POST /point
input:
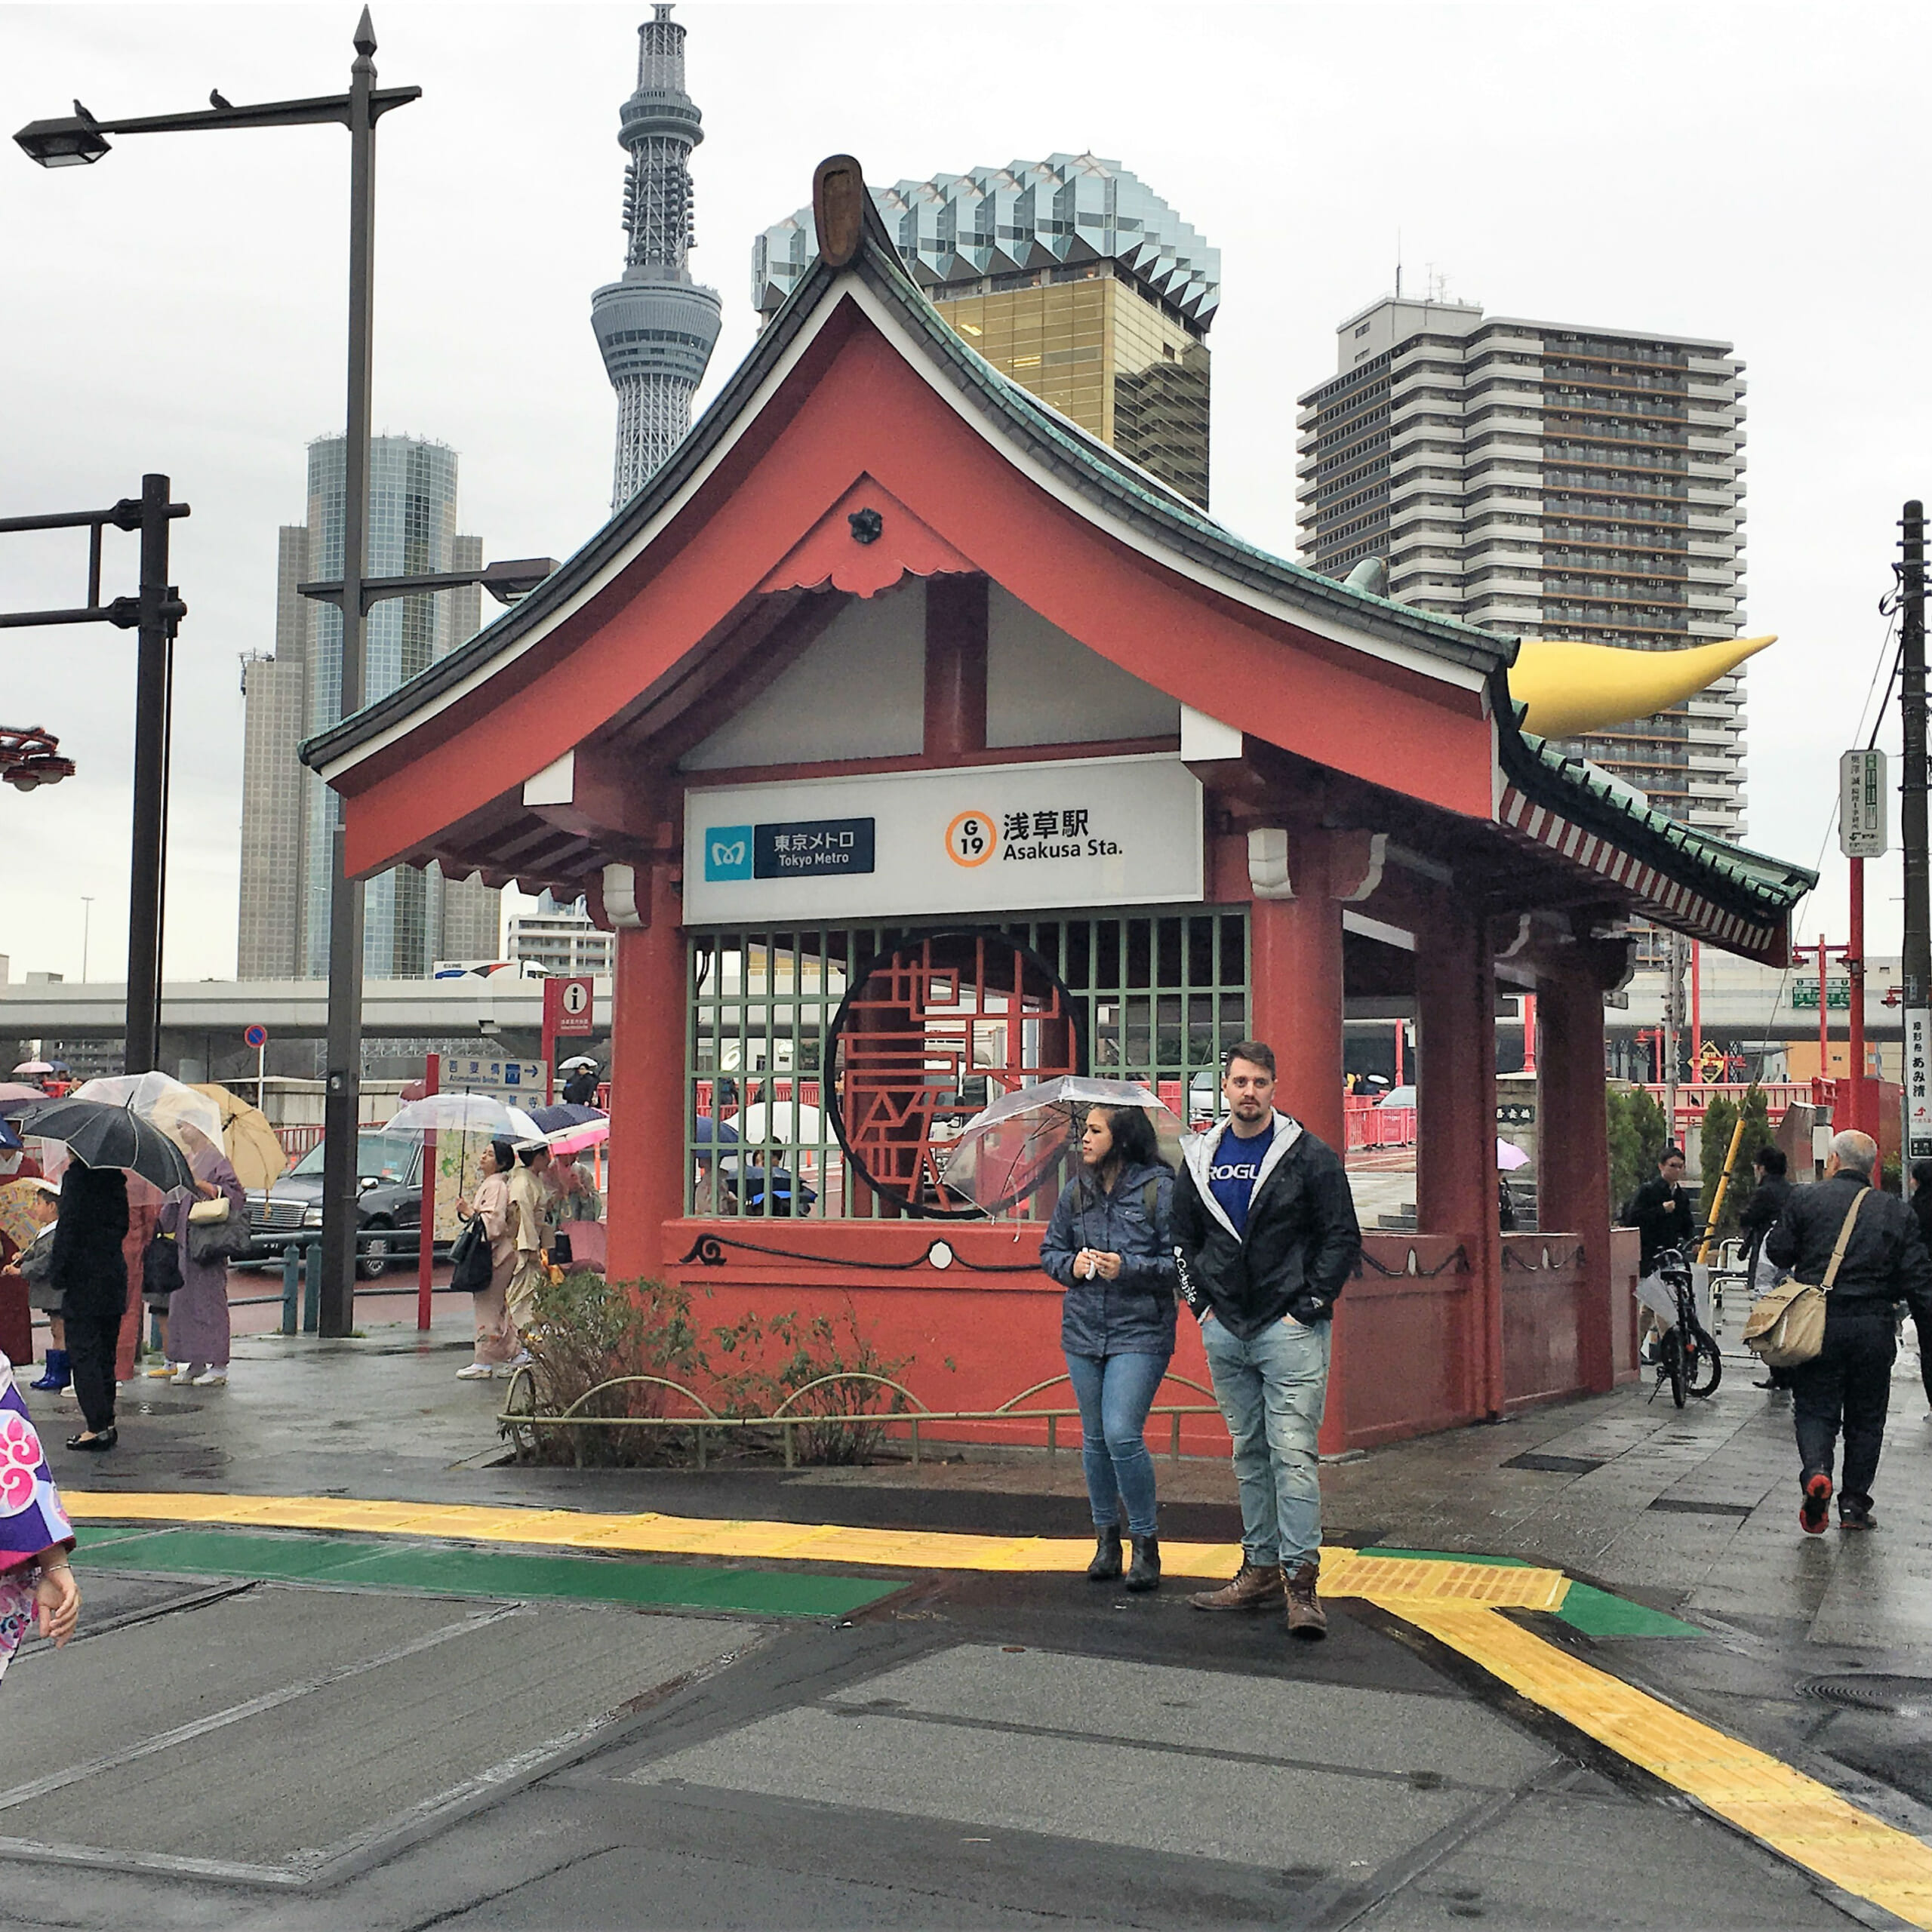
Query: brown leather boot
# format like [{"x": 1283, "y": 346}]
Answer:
[
  {"x": 1306, "y": 1618},
  {"x": 1256, "y": 1586}
]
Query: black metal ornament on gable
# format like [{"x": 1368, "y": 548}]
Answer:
[{"x": 867, "y": 526}]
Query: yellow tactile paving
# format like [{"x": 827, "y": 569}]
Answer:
[
  {"x": 1456, "y": 1603},
  {"x": 1806, "y": 1821}
]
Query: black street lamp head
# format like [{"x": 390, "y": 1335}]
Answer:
[
  {"x": 515, "y": 578},
  {"x": 70, "y": 142}
]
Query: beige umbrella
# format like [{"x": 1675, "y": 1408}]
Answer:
[{"x": 253, "y": 1148}]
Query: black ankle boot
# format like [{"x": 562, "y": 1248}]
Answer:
[
  {"x": 1106, "y": 1565},
  {"x": 1145, "y": 1574}
]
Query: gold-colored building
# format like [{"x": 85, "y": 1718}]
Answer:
[
  {"x": 1070, "y": 277},
  {"x": 1102, "y": 353}
]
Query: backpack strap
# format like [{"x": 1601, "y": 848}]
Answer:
[
  {"x": 1844, "y": 1239},
  {"x": 1150, "y": 1197}
]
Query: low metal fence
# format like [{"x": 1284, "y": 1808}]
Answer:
[{"x": 521, "y": 1420}]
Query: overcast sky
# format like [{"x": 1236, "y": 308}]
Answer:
[{"x": 1732, "y": 171}]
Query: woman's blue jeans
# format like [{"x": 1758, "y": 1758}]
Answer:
[{"x": 1115, "y": 1393}]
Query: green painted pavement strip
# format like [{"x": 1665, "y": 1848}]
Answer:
[
  {"x": 447, "y": 1570},
  {"x": 1595, "y": 1613}
]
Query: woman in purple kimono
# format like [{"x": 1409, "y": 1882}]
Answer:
[
  {"x": 35, "y": 1537},
  {"x": 198, "y": 1333}
]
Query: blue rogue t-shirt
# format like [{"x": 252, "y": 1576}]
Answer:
[{"x": 1231, "y": 1177}]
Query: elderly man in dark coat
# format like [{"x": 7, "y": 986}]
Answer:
[{"x": 1848, "y": 1384}]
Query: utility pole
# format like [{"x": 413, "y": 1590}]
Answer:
[
  {"x": 1917, "y": 965},
  {"x": 1672, "y": 1032}
]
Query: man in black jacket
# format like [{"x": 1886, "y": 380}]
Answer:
[
  {"x": 1660, "y": 1211},
  {"x": 1265, "y": 1232},
  {"x": 1848, "y": 1384}
]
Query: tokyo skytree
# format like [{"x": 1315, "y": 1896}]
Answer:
[{"x": 656, "y": 326}]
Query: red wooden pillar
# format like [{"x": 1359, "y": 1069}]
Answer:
[
  {"x": 1573, "y": 1177},
  {"x": 1455, "y": 1181},
  {"x": 646, "y": 1087},
  {"x": 1295, "y": 987}
]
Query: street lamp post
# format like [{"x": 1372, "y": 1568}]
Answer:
[{"x": 80, "y": 139}]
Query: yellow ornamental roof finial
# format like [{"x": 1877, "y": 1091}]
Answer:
[{"x": 1569, "y": 689}]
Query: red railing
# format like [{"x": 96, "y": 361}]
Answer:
[
  {"x": 1368, "y": 1125},
  {"x": 297, "y": 1141}
]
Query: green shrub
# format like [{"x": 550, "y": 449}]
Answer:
[
  {"x": 587, "y": 1333},
  {"x": 782, "y": 1354}
]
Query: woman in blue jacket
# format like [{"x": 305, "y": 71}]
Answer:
[{"x": 1107, "y": 1246}]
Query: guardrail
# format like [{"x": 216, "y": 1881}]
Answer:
[
  {"x": 301, "y": 1280},
  {"x": 518, "y": 1422}
]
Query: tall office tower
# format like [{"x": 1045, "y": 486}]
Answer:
[
  {"x": 656, "y": 326},
  {"x": 275, "y": 694},
  {"x": 1068, "y": 275},
  {"x": 287, "y": 814},
  {"x": 1548, "y": 480}
]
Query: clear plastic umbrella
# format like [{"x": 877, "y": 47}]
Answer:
[
  {"x": 1008, "y": 1150},
  {"x": 465, "y": 1113},
  {"x": 155, "y": 1097}
]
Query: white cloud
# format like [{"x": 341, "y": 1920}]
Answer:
[{"x": 1736, "y": 171}]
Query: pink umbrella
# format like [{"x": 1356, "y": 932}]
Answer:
[
  {"x": 575, "y": 1139},
  {"x": 1509, "y": 1156}
]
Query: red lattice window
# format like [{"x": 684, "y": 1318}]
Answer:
[{"x": 931, "y": 1032}]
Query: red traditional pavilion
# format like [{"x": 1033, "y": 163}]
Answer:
[{"x": 916, "y": 744}]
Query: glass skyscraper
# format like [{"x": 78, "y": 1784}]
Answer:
[
  {"x": 288, "y": 816},
  {"x": 1069, "y": 275}
]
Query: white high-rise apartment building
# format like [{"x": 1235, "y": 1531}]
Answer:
[{"x": 1548, "y": 480}]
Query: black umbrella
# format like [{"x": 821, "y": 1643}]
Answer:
[
  {"x": 100, "y": 1135},
  {"x": 565, "y": 1113}
]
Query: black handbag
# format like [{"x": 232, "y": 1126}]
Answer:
[
  {"x": 224, "y": 1239},
  {"x": 471, "y": 1264},
  {"x": 160, "y": 1269}
]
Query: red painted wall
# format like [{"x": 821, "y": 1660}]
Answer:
[
  {"x": 865, "y": 410},
  {"x": 977, "y": 1338}
]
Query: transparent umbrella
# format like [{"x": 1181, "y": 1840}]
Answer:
[
  {"x": 155, "y": 1097},
  {"x": 465, "y": 1113},
  {"x": 1008, "y": 1150},
  {"x": 472, "y": 1118}
]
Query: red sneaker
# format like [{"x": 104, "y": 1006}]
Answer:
[{"x": 1816, "y": 1511}]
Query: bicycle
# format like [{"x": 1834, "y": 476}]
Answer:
[{"x": 1687, "y": 1358}]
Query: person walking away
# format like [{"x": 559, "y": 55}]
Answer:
[
  {"x": 36, "y": 1585},
  {"x": 1760, "y": 1215},
  {"x": 1265, "y": 1236},
  {"x": 1108, "y": 1246},
  {"x": 1847, "y": 1385},
  {"x": 1921, "y": 1209},
  {"x": 198, "y": 1333},
  {"x": 530, "y": 1212},
  {"x": 1660, "y": 1212},
  {"x": 497, "y": 1345},
  {"x": 89, "y": 1268}
]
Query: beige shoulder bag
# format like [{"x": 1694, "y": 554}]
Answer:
[{"x": 1786, "y": 1327}]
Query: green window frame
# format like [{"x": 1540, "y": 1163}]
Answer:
[{"x": 1162, "y": 994}]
